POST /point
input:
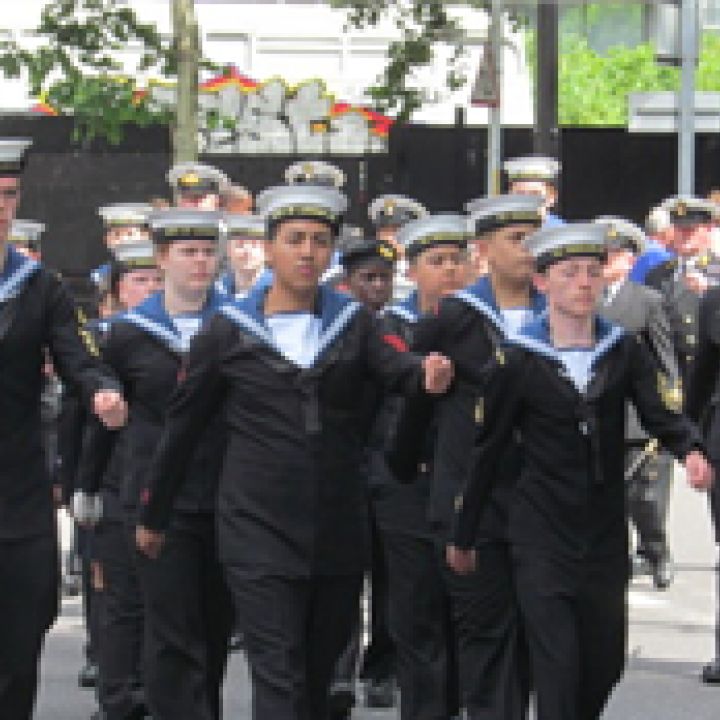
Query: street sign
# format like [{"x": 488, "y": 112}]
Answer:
[{"x": 486, "y": 88}]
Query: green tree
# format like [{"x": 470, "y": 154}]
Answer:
[{"x": 77, "y": 65}]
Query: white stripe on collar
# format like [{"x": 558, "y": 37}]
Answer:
[
  {"x": 482, "y": 307},
  {"x": 326, "y": 338},
  {"x": 12, "y": 285},
  {"x": 402, "y": 312},
  {"x": 175, "y": 342}
]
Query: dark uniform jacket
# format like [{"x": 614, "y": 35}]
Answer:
[
  {"x": 36, "y": 312},
  {"x": 703, "y": 392},
  {"x": 569, "y": 501},
  {"x": 146, "y": 351},
  {"x": 293, "y": 494},
  {"x": 470, "y": 330},
  {"x": 640, "y": 309},
  {"x": 682, "y": 305}
]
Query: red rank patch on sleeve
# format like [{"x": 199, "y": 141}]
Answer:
[
  {"x": 145, "y": 496},
  {"x": 396, "y": 342}
]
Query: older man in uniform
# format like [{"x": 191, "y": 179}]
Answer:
[
  {"x": 196, "y": 185},
  {"x": 640, "y": 309},
  {"x": 36, "y": 312}
]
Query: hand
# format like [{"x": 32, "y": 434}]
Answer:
[
  {"x": 149, "y": 542},
  {"x": 461, "y": 561},
  {"x": 111, "y": 408},
  {"x": 438, "y": 373},
  {"x": 699, "y": 471}
]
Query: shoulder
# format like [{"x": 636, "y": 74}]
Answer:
[{"x": 660, "y": 272}]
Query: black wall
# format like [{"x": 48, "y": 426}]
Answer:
[{"x": 604, "y": 171}]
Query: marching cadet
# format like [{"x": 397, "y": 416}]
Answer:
[
  {"x": 683, "y": 279},
  {"x": 388, "y": 213},
  {"x": 123, "y": 223},
  {"x": 187, "y": 608},
  {"x": 120, "y": 621},
  {"x": 197, "y": 186},
  {"x": 471, "y": 327},
  {"x": 368, "y": 276},
  {"x": 703, "y": 407},
  {"x": 640, "y": 309},
  {"x": 563, "y": 385},
  {"x": 419, "y": 614},
  {"x": 315, "y": 172},
  {"x": 287, "y": 368},
  {"x": 245, "y": 253},
  {"x": 535, "y": 175},
  {"x": 36, "y": 312}
]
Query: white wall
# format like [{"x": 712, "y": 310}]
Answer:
[{"x": 305, "y": 40}]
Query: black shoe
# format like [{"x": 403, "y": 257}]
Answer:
[
  {"x": 662, "y": 573},
  {"x": 88, "y": 676},
  {"x": 342, "y": 700},
  {"x": 379, "y": 694},
  {"x": 711, "y": 672}
]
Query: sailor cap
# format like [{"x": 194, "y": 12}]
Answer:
[
  {"x": 302, "y": 202},
  {"x": 433, "y": 230},
  {"x": 490, "y": 213},
  {"x": 394, "y": 210},
  {"x": 532, "y": 167},
  {"x": 555, "y": 243},
  {"x": 193, "y": 178},
  {"x": 315, "y": 172},
  {"x": 175, "y": 224},
  {"x": 244, "y": 225},
  {"x": 125, "y": 214},
  {"x": 12, "y": 155},
  {"x": 623, "y": 234}
]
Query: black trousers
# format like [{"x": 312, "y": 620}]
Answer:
[
  {"x": 295, "y": 629},
  {"x": 121, "y": 624},
  {"x": 648, "y": 499},
  {"x": 576, "y": 624},
  {"x": 419, "y": 619},
  {"x": 29, "y": 587},
  {"x": 492, "y": 648},
  {"x": 188, "y": 623}
]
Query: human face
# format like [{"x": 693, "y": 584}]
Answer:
[
  {"x": 210, "y": 201},
  {"x": 246, "y": 255},
  {"x": 9, "y": 201},
  {"x": 573, "y": 286},
  {"x": 299, "y": 253},
  {"x": 690, "y": 240},
  {"x": 537, "y": 188},
  {"x": 136, "y": 285},
  {"x": 438, "y": 271},
  {"x": 507, "y": 258},
  {"x": 618, "y": 265},
  {"x": 372, "y": 283},
  {"x": 189, "y": 265}
]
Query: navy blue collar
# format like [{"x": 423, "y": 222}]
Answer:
[
  {"x": 17, "y": 269},
  {"x": 408, "y": 309},
  {"x": 225, "y": 284},
  {"x": 334, "y": 309},
  {"x": 481, "y": 296},
  {"x": 152, "y": 316},
  {"x": 535, "y": 336}
]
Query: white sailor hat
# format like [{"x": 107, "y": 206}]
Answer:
[
  {"x": 686, "y": 210},
  {"x": 490, "y": 213},
  {"x": 125, "y": 214},
  {"x": 433, "y": 230},
  {"x": 26, "y": 233},
  {"x": 12, "y": 155},
  {"x": 532, "y": 167},
  {"x": 394, "y": 210},
  {"x": 622, "y": 234},
  {"x": 315, "y": 172},
  {"x": 552, "y": 244},
  {"x": 245, "y": 225},
  {"x": 191, "y": 178},
  {"x": 134, "y": 256},
  {"x": 175, "y": 224},
  {"x": 302, "y": 202}
]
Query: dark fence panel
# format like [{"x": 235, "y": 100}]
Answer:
[{"x": 605, "y": 171}]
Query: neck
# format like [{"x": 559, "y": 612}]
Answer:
[
  {"x": 571, "y": 330},
  {"x": 281, "y": 299},
  {"x": 179, "y": 301},
  {"x": 509, "y": 294},
  {"x": 427, "y": 304},
  {"x": 244, "y": 279}
]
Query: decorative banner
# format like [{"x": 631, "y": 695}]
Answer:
[{"x": 240, "y": 115}]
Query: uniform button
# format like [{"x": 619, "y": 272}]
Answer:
[
  {"x": 458, "y": 503},
  {"x": 423, "y": 467},
  {"x": 688, "y": 319},
  {"x": 690, "y": 339}
]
